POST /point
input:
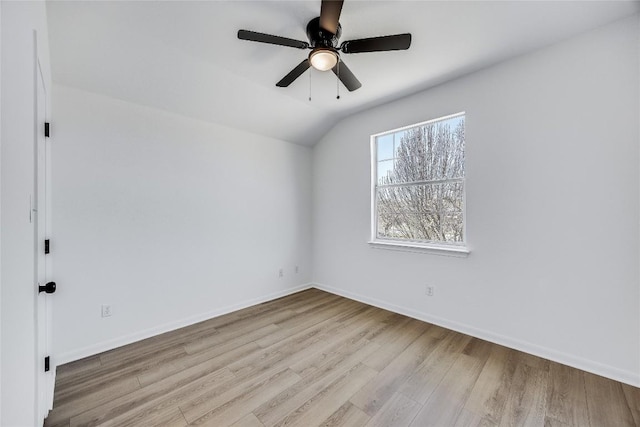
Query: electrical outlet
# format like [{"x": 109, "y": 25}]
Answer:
[
  {"x": 430, "y": 290},
  {"x": 106, "y": 310},
  {"x": 296, "y": 269},
  {"x": 281, "y": 272}
]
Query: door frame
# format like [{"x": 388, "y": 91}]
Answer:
[{"x": 45, "y": 381}]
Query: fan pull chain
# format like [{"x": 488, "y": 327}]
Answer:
[
  {"x": 338, "y": 81},
  {"x": 310, "y": 72}
]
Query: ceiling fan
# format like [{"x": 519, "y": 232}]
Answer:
[{"x": 324, "y": 33}]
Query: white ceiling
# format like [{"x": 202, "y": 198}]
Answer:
[{"x": 184, "y": 56}]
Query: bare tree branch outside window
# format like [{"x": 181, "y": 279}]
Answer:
[{"x": 420, "y": 182}]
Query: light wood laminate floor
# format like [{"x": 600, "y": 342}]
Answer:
[{"x": 314, "y": 358}]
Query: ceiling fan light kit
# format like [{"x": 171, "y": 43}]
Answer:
[
  {"x": 324, "y": 33},
  {"x": 323, "y": 59}
]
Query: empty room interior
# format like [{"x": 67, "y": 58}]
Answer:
[{"x": 305, "y": 213}]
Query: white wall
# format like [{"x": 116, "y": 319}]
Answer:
[
  {"x": 168, "y": 219},
  {"x": 0, "y": 212},
  {"x": 18, "y": 293},
  {"x": 552, "y": 206}
]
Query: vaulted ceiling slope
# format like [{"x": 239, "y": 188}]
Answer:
[{"x": 184, "y": 57}]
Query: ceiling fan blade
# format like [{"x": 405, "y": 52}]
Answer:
[
  {"x": 377, "y": 44},
  {"x": 346, "y": 76},
  {"x": 294, "y": 74},
  {"x": 330, "y": 15},
  {"x": 268, "y": 38}
]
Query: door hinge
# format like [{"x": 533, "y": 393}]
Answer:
[
  {"x": 46, "y": 246},
  {"x": 46, "y": 364},
  {"x": 46, "y": 129}
]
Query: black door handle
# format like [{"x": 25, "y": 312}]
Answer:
[{"x": 48, "y": 288}]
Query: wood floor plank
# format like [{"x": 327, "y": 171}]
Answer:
[
  {"x": 526, "y": 404},
  {"x": 340, "y": 353},
  {"x": 195, "y": 405},
  {"x": 206, "y": 360},
  {"x": 304, "y": 298},
  {"x": 302, "y": 311},
  {"x": 552, "y": 422},
  {"x": 251, "y": 397},
  {"x": 314, "y": 358},
  {"x": 390, "y": 322},
  {"x": 266, "y": 313},
  {"x": 448, "y": 399},
  {"x": 397, "y": 411},
  {"x": 299, "y": 346},
  {"x": 244, "y": 327},
  {"x": 69, "y": 370},
  {"x": 248, "y": 420},
  {"x": 376, "y": 393},
  {"x": 468, "y": 418},
  {"x": 312, "y": 383},
  {"x": 606, "y": 401},
  {"x": 632, "y": 395},
  {"x": 324, "y": 404},
  {"x": 94, "y": 398},
  {"x": 105, "y": 376},
  {"x": 566, "y": 397},
  {"x": 426, "y": 378},
  {"x": 303, "y": 321},
  {"x": 348, "y": 415},
  {"x": 132, "y": 353},
  {"x": 488, "y": 397},
  {"x": 392, "y": 348},
  {"x": 341, "y": 345},
  {"x": 165, "y": 393},
  {"x": 296, "y": 341},
  {"x": 168, "y": 417},
  {"x": 312, "y": 299}
]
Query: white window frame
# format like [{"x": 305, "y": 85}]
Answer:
[{"x": 460, "y": 249}]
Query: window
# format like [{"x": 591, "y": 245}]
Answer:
[{"x": 418, "y": 185}]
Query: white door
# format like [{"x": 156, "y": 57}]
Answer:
[{"x": 44, "y": 286}]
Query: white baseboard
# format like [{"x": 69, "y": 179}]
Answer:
[
  {"x": 71, "y": 356},
  {"x": 627, "y": 377},
  {"x": 597, "y": 368}
]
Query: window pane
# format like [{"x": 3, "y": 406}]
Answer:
[
  {"x": 431, "y": 212},
  {"x": 385, "y": 172},
  {"x": 390, "y": 227},
  {"x": 385, "y": 147},
  {"x": 445, "y": 148},
  {"x": 410, "y": 163},
  {"x": 431, "y": 152},
  {"x": 390, "y": 200},
  {"x": 452, "y": 225},
  {"x": 398, "y": 137},
  {"x": 451, "y": 194}
]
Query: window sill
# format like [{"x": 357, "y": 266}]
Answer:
[{"x": 455, "y": 251}]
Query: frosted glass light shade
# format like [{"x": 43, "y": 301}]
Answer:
[{"x": 323, "y": 59}]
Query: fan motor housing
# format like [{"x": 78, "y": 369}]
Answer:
[{"x": 319, "y": 37}]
